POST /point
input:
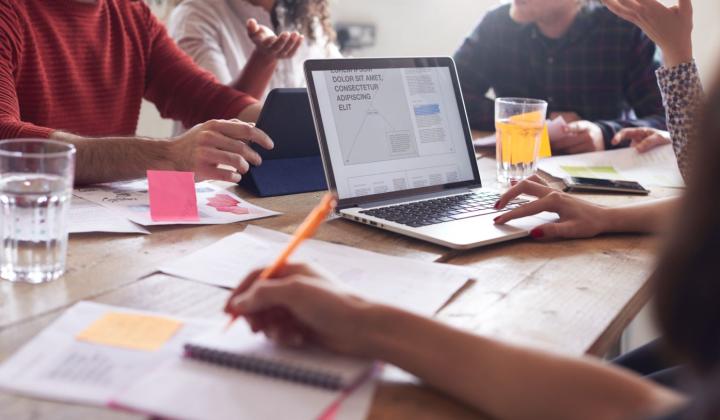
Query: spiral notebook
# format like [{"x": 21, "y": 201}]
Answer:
[
  {"x": 252, "y": 353},
  {"x": 240, "y": 375}
]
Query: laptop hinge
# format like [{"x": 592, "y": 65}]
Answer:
[{"x": 414, "y": 198}]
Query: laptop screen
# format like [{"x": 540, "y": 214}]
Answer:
[{"x": 392, "y": 129}]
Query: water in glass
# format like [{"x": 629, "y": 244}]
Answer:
[{"x": 33, "y": 231}]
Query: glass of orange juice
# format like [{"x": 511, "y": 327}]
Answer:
[{"x": 519, "y": 124}]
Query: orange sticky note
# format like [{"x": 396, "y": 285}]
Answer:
[
  {"x": 131, "y": 331},
  {"x": 172, "y": 196},
  {"x": 545, "y": 150}
]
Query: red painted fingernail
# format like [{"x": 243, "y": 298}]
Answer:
[
  {"x": 537, "y": 233},
  {"x": 497, "y": 205},
  {"x": 496, "y": 219}
]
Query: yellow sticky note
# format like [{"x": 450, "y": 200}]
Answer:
[{"x": 132, "y": 331}]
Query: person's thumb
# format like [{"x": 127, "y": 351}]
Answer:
[
  {"x": 264, "y": 294},
  {"x": 685, "y": 7}
]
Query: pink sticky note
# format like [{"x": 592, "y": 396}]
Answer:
[{"x": 172, "y": 196}]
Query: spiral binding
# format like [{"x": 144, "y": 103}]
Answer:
[{"x": 265, "y": 367}]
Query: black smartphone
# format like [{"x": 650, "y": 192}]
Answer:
[{"x": 593, "y": 185}]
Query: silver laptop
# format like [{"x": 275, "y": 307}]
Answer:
[{"x": 397, "y": 150}]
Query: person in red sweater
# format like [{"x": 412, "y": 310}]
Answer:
[{"x": 77, "y": 71}]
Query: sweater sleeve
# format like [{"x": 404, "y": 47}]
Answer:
[
  {"x": 11, "y": 124},
  {"x": 180, "y": 89},
  {"x": 682, "y": 94}
]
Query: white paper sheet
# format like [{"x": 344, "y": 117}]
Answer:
[
  {"x": 658, "y": 167},
  {"x": 418, "y": 286},
  {"x": 85, "y": 217},
  {"x": 130, "y": 200},
  {"x": 556, "y": 127},
  {"x": 55, "y": 365}
]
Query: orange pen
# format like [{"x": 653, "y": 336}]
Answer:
[{"x": 304, "y": 231}]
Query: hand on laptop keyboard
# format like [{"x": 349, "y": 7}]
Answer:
[{"x": 441, "y": 210}]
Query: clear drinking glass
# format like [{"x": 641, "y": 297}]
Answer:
[
  {"x": 36, "y": 179},
  {"x": 519, "y": 123}
]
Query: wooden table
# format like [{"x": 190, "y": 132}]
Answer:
[{"x": 573, "y": 297}]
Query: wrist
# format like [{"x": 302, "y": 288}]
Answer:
[
  {"x": 391, "y": 334},
  {"x": 262, "y": 59},
  {"x": 673, "y": 58},
  {"x": 171, "y": 154}
]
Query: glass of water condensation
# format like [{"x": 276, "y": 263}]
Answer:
[
  {"x": 519, "y": 124},
  {"x": 36, "y": 179}
]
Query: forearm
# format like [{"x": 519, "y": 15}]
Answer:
[
  {"x": 251, "y": 113},
  {"x": 256, "y": 75},
  {"x": 112, "y": 159},
  {"x": 652, "y": 217},
  {"x": 506, "y": 381}
]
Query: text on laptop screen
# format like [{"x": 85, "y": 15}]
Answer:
[{"x": 392, "y": 129}]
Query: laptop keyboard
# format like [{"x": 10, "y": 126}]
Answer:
[{"x": 441, "y": 210}]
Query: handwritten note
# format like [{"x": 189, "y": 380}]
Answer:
[
  {"x": 172, "y": 195},
  {"x": 132, "y": 331}
]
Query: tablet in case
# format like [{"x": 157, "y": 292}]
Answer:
[{"x": 294, "y": 165}]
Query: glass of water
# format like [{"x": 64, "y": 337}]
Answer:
[
  {"x": 519, "y": 124},
  {"x": 36, "y": 180}
]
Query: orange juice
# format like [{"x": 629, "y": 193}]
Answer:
[{"x": 518, "y": 145}]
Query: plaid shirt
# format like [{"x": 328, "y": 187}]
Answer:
[{"x": 603, "y": 69}]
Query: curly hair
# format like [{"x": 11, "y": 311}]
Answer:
[{"x": 304, "y": 16}]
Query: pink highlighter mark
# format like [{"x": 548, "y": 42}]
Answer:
[
  {"x": 172, "y": 196},
  {"x": 226, "y": 204}
]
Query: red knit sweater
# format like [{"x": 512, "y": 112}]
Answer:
[{"x": 85, "y": 67}]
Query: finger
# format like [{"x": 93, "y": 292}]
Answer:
[
  {"x": 244, "y": 285},
  {"x": 263, "y": 295},
  {"x": 206, "y": 171},
  {"x": 685, "y": 7},
  {"x": 213, "y": 156},
  {"x": 547, "y": 203},
  {"x": 238, "y": 147},
  {"x": 293, "y": 46},
  {"x": 241, "y": 131},
  {"x": 530, "y": 186},
  {"x": 631, "y": 134},
  {"x": 268, "y": 41},
  {"x": 621, "y": 10},
  {"x": 280, "y": 43},
  {"x": 252, "y": 26},
  {"x": 650, "y": 143}
]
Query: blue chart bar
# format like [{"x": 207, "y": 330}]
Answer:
[{"x": 427, "y": 109}]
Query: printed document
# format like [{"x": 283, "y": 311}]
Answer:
[{"x": 418, "y": 286}]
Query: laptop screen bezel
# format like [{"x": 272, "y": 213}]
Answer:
[{"x": 386, "y": 63}]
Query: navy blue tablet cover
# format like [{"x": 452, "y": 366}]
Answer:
[{"x": 294, "y": 165}]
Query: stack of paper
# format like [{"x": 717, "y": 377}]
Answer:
[
  {"x": 130, "y": 200},
  {"x": 658, "y": 167},
  {"x": 417, "y": 286}
]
